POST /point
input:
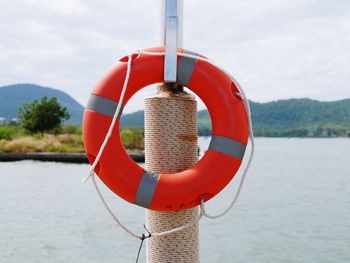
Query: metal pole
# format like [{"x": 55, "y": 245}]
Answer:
[
  {"x": 171, "y": 37},
  {"x": 162, "y": 19}
]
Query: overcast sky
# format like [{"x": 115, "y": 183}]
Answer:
[{"x": 276, "y": 49}]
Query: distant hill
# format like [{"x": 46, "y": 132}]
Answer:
[
  {"x": 302, "y": 117},
  {"x": 11, "y": 97},
  {"x": 283, "y": 118}
]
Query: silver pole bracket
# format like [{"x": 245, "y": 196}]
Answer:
[{"x": 171, "y": 40}]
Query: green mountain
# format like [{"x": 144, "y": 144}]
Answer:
[
  {"x": 11, "y": 97},
  {"x": 134, "y": 119},
  {"x": 283, "y": 118},
  {"x": 302, "y": 118}
]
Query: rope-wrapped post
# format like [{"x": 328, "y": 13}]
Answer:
[{"x": 171, "y": 145}]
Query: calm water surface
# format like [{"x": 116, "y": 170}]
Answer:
[{"x": 295, "y": 207}]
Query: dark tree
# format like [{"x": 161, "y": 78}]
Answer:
[{"x": 43, "y": 115}]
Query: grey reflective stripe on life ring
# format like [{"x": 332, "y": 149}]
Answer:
[
  {"x": 227, "y": 146},
  {"x": 146, "y": 189},
  {"x": 185, "y": 69},
  {"x": 103, "y": 105}
]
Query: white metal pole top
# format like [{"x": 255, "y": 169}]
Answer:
[{"x": 171, "y": 35}]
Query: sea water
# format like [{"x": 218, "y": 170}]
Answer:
[{"x": 294, "y": 207}]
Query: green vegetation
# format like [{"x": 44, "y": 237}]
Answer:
[
  {"x": 133, "y": 138},
  {"x": 15, "y": 139},
  {"x": 20, "y": 141},
  {"x": 42, "y": 116},
  {"x": 66, "y": 143},
  {"x": 284, "y": 118},
  {"x": 301, "y": 118},
  {"x": 40, "y": 130},
  {"x": 7, "y": 132},
  {"x": 326, "y": 131}
]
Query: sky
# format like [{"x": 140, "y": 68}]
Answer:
[{"x": 276, "y": 49}]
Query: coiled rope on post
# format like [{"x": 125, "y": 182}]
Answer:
[{"x": 202, "y": 211}]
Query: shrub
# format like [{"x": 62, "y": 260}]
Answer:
[
  {"x": 43, "y": 115},
  {"x": 71, "y": 129},
  {"x": 7, "y": 132},
  {"x": 132, "y": 138}
]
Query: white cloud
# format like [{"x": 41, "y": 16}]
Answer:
[
  {"x": 66, "y": 7},
  {"x": 276, "y": 49}
]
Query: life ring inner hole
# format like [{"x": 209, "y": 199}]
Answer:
[{"x": 132, "y": 127}]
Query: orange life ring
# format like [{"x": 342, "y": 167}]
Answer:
[{"x": 185, "y": 189}]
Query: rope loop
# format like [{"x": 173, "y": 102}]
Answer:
[
  {"x": 149, "y": 233},
  {"x": 202, "y": 211}
]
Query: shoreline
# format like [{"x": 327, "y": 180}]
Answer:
[{"x": 57, "y": 157}]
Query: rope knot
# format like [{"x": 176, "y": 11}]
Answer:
[{"x": 143, "y": 236}]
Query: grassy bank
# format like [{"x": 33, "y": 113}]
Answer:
[{"x": 68, "y": 140}]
